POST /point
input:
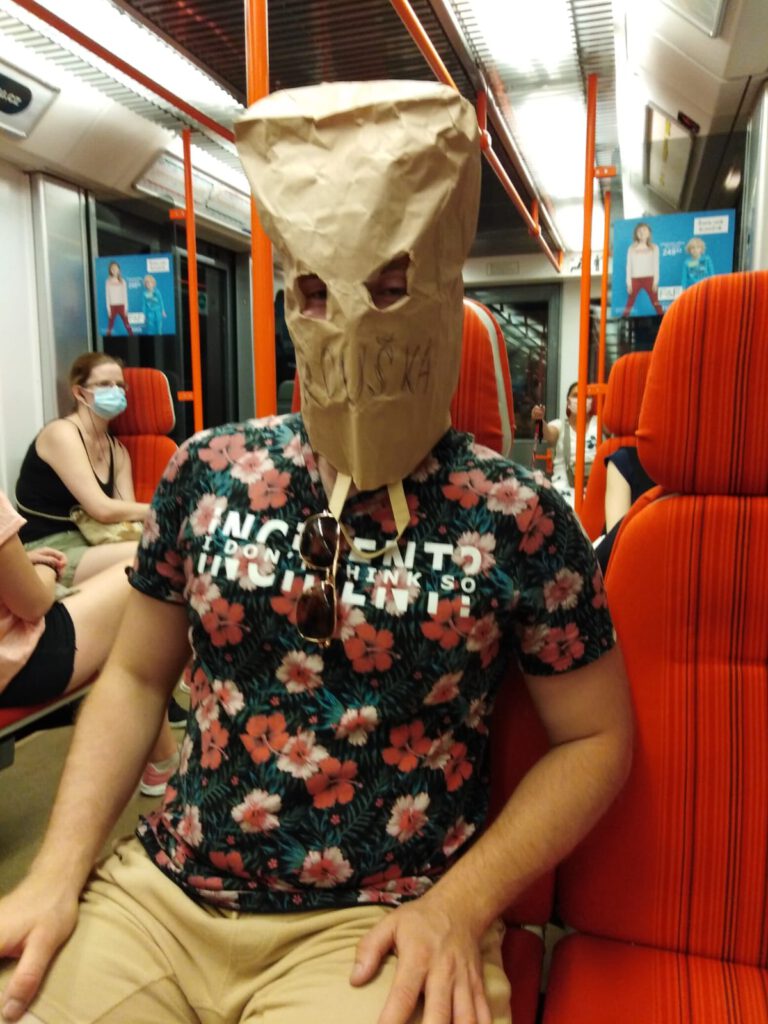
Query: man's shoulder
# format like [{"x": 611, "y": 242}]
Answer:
[{"x": 266, "y": 431}]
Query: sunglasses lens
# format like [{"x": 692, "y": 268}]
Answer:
[
  {"x": 316, "y": 612},
  {"x": 319, "y": 541}
]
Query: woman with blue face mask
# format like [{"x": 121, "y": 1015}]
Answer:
[{"x": 75, "y": 460}]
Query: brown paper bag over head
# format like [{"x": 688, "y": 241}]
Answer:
[{"x": 348, "y": 177}]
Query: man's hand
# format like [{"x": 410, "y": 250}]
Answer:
[
  {"x": 35, "y": 921},
  {"x": 438, "y": 955}
]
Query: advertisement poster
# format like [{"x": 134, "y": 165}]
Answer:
[
  {"x": 656, "y": 258},
  {"x": 135, "y": 295}
]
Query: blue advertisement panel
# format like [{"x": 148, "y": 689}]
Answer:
[
  {"x": 657, "y": 258},
  {"x": 135, "y": 294}
]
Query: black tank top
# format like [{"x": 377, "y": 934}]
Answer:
[{"x": 40, "y": 489}]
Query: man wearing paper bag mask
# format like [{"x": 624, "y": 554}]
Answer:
[{"x": 354, "y": 581}]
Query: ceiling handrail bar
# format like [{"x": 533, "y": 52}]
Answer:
[
  {"x": 419, "y": 35},
  {"x": 51, "y": 19}
]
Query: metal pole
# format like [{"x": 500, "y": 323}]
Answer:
[
  {"x": 262, "y": 282},
  {"x": 192, "y": 292},
  {"x": 603, "y": 313},
  {"x": 586, "y": 267}
]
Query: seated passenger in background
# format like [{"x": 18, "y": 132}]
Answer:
[
  {"x": 562, "y": 435},
  {"x": 625, "y": 481},
  {"x": 74, "y": 460},
  {"x": 320, "y": 853},
  {"x": 49, "y": 647}
]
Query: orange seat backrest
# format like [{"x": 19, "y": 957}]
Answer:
[
  {"x": 681, "y": 860},
  {"x": 626, "y": 383},
  {"x": 144, "y": 426}
]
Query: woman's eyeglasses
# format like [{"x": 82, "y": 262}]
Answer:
[{"x": 319, "y": 550}]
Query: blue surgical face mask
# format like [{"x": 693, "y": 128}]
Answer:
[{"x": 108, "y": 402}]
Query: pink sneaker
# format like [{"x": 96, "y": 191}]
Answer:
[{"x": 155, "y": 776}]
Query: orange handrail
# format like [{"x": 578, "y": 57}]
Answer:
[
  {"x": 262, "y": 282},
  {"x": 603, "y": 311},
  {"x": 586, "y": 267},
  {"x": 424, "y": 43},
  {"x": 87, "y": 43},
  {"x": 192, "y": 290}
]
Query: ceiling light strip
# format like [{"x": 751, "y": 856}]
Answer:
[{"x": 89, "y": 44}]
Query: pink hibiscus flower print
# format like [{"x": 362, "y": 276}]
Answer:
[
  {"x": 222, "y": 623},
  {"x": 382, "y": 513},
  {"x": 201, "y": 592},
  {"x": 448, "y": 626},
  {"x": 214, "y": 741},
  {"x": 258, "y": 812},
  {"x": 439, "y": 754},
  {"x": 348, "y": 618},
  {"x": 534, "y": 525},
  {"x": 563, "y": 591},
  {"x": 369, "y": 649},
  {"x": 294, "y": 451},
  {"x": 425, "y": 469},
  {"x": 408, "y": 745},
  {"x": 185, "y": 753},
  {"x": 301, "y": 755},
  {"x": 395, "y": 590},
  {"x": 301, "y": 672},
  {"x": 485, "y": 638},
  {"x": 509, "y": 496},
  {"x": 177, "y": 460},
  {"x": 151, "y": 532},
  {"x": 333, "y": 783},
  {"x": 476, "y": 715},
  {"x": 325, "y": 869},
  {"x": 222, "y": 451},
  {"x": 210, "y": 510},
  {"x": 456, "y": 836},
  {"x": 207, "y": 710},
  {"x": 458, "y": 769},
  {"x": 598, "y": 585},
  {"x": 467, "y": 488},
  {"x": 199, "y": 687},
  {"x": 230, "y": 862},
  {"x": 480, "y": 451},
  {"x": 171, "y": 568},
  {"x": 264, "y": 735},
  {"x": 534, "y": 638},
  {"x": 285, "y": 604},
  {"x": 262, "y": 561},
  {"x": 269, "y": 491},
  {"x": 356, "y": 724},
  {"x": 189, "y": 828},
  {"x": 228, "y": 695},
  {"x": 474, "y": 552},
  {"x": 562, "y": 647},
  {"x": 381, "y": 887},
  {"x": 445, "y": 689},
  {"x": 408, "y": 817},
  {"x": 251, "y": 466}
]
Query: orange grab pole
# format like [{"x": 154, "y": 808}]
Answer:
[
  {"x": 586, "y": 261},
  {"x": 424, "y": 43},
  {"x": 262, "y": 282},
  {"x": 127, "y": 69},
  {"x": 192, "y": 291},
  {"x": 603, "y": 313}
]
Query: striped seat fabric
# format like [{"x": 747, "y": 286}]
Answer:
[
  {"x": 669, "y": 894},
  {"x": 143, "y": 427},
  {"x": 626, "y": 383}
]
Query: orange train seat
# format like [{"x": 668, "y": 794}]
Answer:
[
  {"x": 626, "y": 383},
  {"x": 142, "y": 428},
  {"x": 669, "y": 893}
]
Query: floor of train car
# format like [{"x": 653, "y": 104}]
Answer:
[{"x": 27, "y": 790}]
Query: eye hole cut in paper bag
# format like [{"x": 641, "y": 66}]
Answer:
[{"x": 347, "y": 177}]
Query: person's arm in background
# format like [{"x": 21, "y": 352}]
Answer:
[
  {"x": 550, "y": 432},
  {"x": 618, "y": 497},
  {"x": 28, "y": 580},
  {"x": 59, "y": 445}
]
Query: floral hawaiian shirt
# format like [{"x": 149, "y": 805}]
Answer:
[{"x": 312, "y": 776}]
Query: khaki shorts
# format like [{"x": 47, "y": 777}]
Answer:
[
  {"x": 74, "y": 546},
  {"x": 145, "y": 953}
]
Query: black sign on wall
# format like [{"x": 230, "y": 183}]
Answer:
[
  {"x": 14, "y": 97},
  {"x": 23, "y": 100}
]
